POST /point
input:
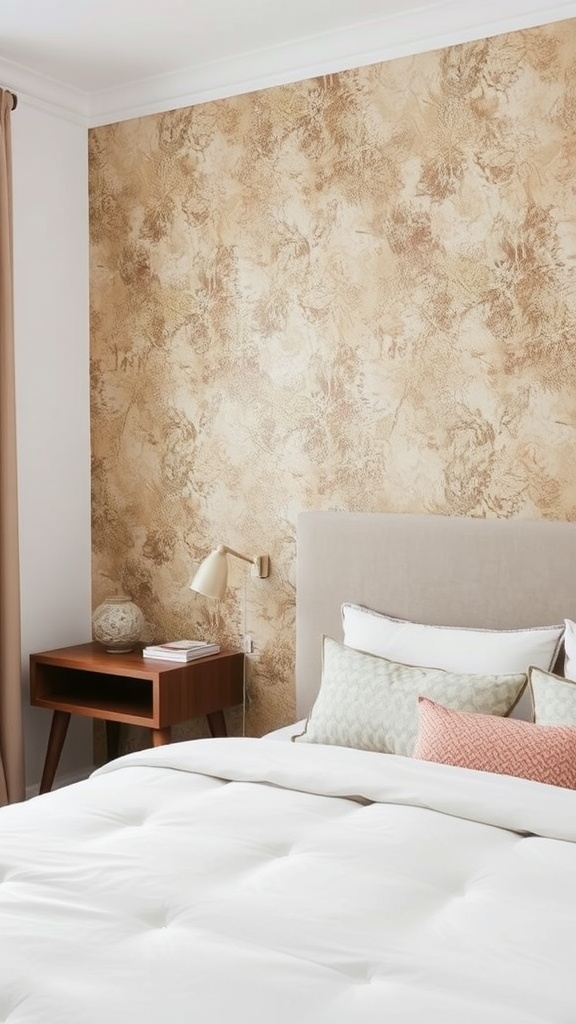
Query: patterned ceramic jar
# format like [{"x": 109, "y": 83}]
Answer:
[{"x": 117, "y": 624}]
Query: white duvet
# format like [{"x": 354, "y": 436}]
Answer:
[{"x": 250, "y": 881}]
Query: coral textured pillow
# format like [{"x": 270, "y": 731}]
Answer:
[{"x": 505, "y": 746}]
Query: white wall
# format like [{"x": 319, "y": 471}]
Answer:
[{"x": 50, "y": 167}]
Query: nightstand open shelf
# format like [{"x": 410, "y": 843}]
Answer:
[
  {"x": 95, "y": 694},
  {"x": 87, "y": 680}
]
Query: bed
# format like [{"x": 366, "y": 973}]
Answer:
[{"x": 309, "y": 881}]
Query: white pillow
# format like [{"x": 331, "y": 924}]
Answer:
[
  {"x": 370, "y": 703},
  {"x": 570, "y": 649},
  {"x": 454, "y": 648}
]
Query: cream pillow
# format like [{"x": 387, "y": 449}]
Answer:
[
  {"x": 453, "y": 648},
  {"x": 553, "y": 698},
  {"x": 371, "y": 703},
  {"x": 570, "y": 649}
]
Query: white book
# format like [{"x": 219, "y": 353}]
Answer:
[
  {"x": 181, "y": 650},
  {"x": 182, "y": 659}
]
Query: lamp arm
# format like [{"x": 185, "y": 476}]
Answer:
[
  {"x": 260, "y": 563},
  {"x": 230, "y": 551}
]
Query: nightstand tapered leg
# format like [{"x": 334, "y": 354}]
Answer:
[
  {"x": 58, "y": 730},
  {"x": 217, "y": 723},
  {"x": 161, "y": 736},
  {"x": 112, "y": 740}
]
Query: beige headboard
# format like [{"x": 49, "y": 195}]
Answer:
[{"x": 442, "y": 570}]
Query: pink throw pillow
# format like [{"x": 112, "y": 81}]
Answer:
[{"x": 488, "y": 743}]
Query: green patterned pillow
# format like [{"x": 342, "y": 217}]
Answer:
[
  {"x": 371, "y": 703},
  {"x": 553, "y": 698}
]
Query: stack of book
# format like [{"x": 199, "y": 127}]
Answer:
[{"x": 181, "y": 650}]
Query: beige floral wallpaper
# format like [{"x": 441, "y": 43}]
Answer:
[{"x": 355, "y": 292}]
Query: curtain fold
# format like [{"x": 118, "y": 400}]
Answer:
[{"x": 12, "y": 783}]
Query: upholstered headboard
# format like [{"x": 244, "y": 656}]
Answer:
[{"x": 442, "y": 570}]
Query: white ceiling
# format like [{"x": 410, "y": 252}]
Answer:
[{"x": 105, "y": 60}]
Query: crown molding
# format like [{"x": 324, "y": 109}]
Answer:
[
  {"x": 358, "y": 46},
  {"x": 416, "y": 31},
  {"x": 45, "y": 93}
]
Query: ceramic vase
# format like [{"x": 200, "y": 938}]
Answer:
[{"x": 117, "y": 624}]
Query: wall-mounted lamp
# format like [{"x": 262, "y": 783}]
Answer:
[{"x": 212, "y": 575}]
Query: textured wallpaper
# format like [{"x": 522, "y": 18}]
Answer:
[{"x": 355, "y": 292}]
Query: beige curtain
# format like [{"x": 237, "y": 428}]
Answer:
[{"x": 12, "y": 786}]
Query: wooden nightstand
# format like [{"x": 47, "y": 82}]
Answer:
[{"x": 86, "y": 680}]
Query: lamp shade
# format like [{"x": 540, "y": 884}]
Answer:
[{"x": 212, "y": 575}]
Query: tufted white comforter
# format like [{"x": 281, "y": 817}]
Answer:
[{"x": 320, "y": 885}]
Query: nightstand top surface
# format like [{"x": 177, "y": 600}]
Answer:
[{"x": 92, "y": 657}]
